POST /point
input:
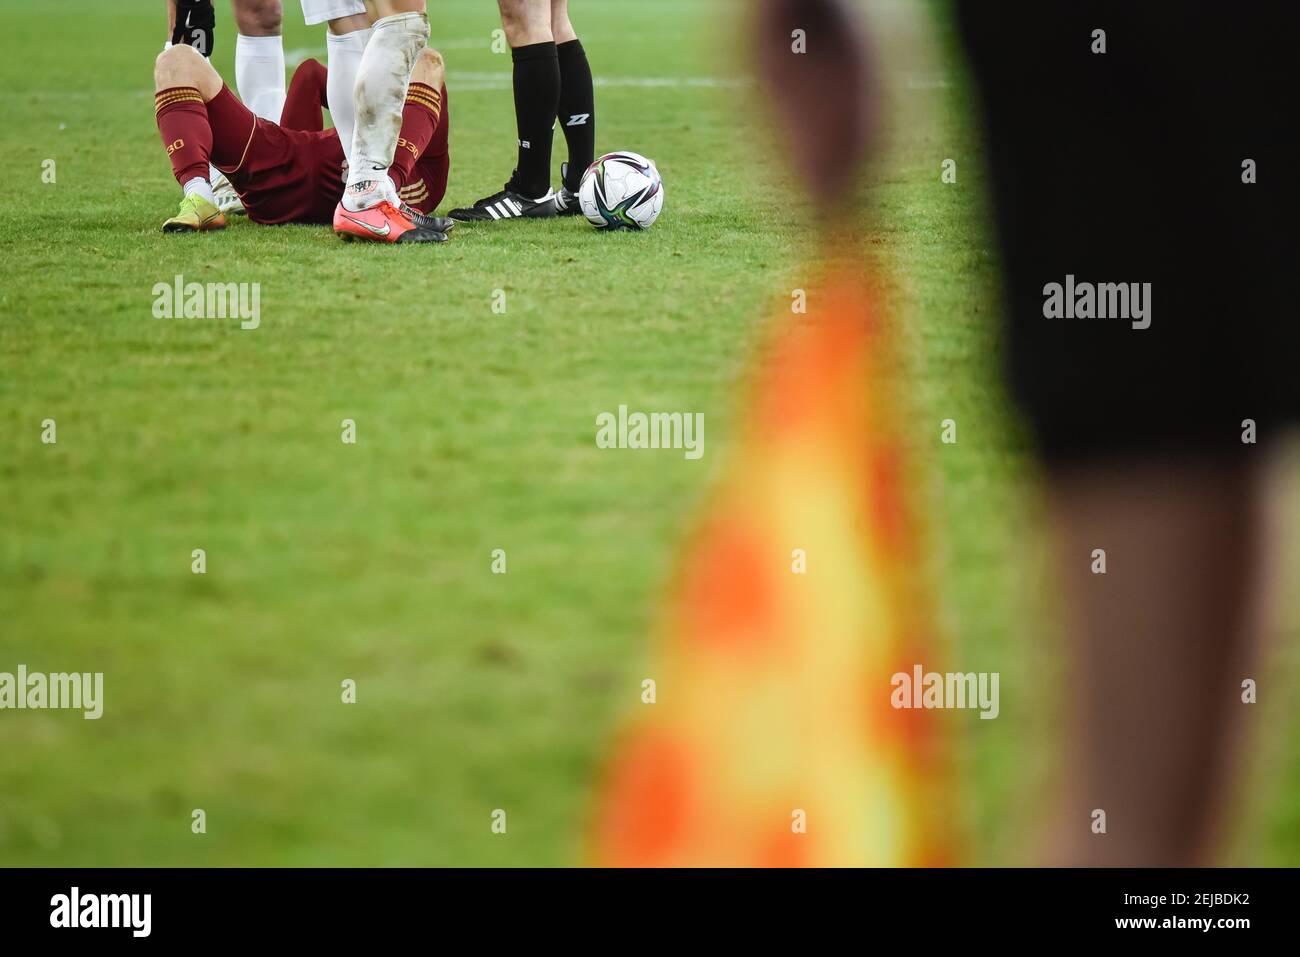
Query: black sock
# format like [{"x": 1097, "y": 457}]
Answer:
[
  {"x": 537, "y": 94},
  {"x": 196, "y": 24},
  {"x": 577, "y": 110}
]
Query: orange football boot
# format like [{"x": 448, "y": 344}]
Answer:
[{"x": 383, "y": 223}]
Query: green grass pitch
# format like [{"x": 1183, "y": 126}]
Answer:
[{"x": 328, "y": 561}]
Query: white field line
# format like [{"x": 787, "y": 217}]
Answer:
[
  {"x": 469, "y": 81},
  {"x": 295, "y": 56}
]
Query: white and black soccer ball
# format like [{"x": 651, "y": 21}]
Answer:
[{"x": 622, "y": 191}]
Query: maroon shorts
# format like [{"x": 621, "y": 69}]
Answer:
[{"x": 283, "y": 176}]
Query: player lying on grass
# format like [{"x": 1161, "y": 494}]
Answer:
[
  {"x": 369, "y": 66},
  {"x": 293, "y": 171}
]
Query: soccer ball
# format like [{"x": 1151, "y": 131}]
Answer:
[{"x": 621, "y": 191}]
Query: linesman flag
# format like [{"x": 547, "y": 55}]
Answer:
[{"x": 770, "y": 739}]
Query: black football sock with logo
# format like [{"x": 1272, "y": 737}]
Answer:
[
  {"x": 577, "y": 110},
  {"x": 196, "y": 24},
  {"x": 537, "y": 97}
]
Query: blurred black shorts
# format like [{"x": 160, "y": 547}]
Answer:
[{"x": 1126, "y": 167}]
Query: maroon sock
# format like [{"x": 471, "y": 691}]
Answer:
[
  {"x": 420, "y": 118},
  {"x": 186, "y": 133},
  {"x": 438, "y": 145}
]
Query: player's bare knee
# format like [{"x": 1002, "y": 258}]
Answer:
[
  {"x": 429, "y": 68},
  {"x": 177, "y": 66},
  {"x": 182, "y": 65},
  {"x": 259, "y": 18}
]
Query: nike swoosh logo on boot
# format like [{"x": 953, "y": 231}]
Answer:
[{"x": 378, "y": 232}]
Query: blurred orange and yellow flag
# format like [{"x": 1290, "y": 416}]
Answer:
[{"x": 772, "y": 741}]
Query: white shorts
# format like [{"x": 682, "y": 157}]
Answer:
[{"x": 320, "y": 11}]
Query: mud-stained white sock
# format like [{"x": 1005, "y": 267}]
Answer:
[
  {"x": 370, "y": 192},
  {"x": 345, "y": 52},
  {"x": 259, "y": 75},
  {"x": 382, "y": 79}
]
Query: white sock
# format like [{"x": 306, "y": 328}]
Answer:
[
  {"x": 344, "y": 60},
  {"x": 382, "y": 79},
  {"x": 201, "y": 186},
  {"x": 259, "y": 75}
]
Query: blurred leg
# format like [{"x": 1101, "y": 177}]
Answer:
[
  {"x": 1160, "y": 644},
  {"x": 821, "y": 100}
]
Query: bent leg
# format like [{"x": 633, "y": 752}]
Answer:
[
  {"x": 429, "y": 69},
  {"x": 185, "y": 82},
  {"x": 306, "y": 98},
  {"x": 423, "y": 117},
  {"x": 183, "y": 66}
]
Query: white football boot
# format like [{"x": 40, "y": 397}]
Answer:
[{"x": 228, "y": 200}]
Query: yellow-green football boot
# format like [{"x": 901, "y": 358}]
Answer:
[{"x": 196, "y": 215}]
